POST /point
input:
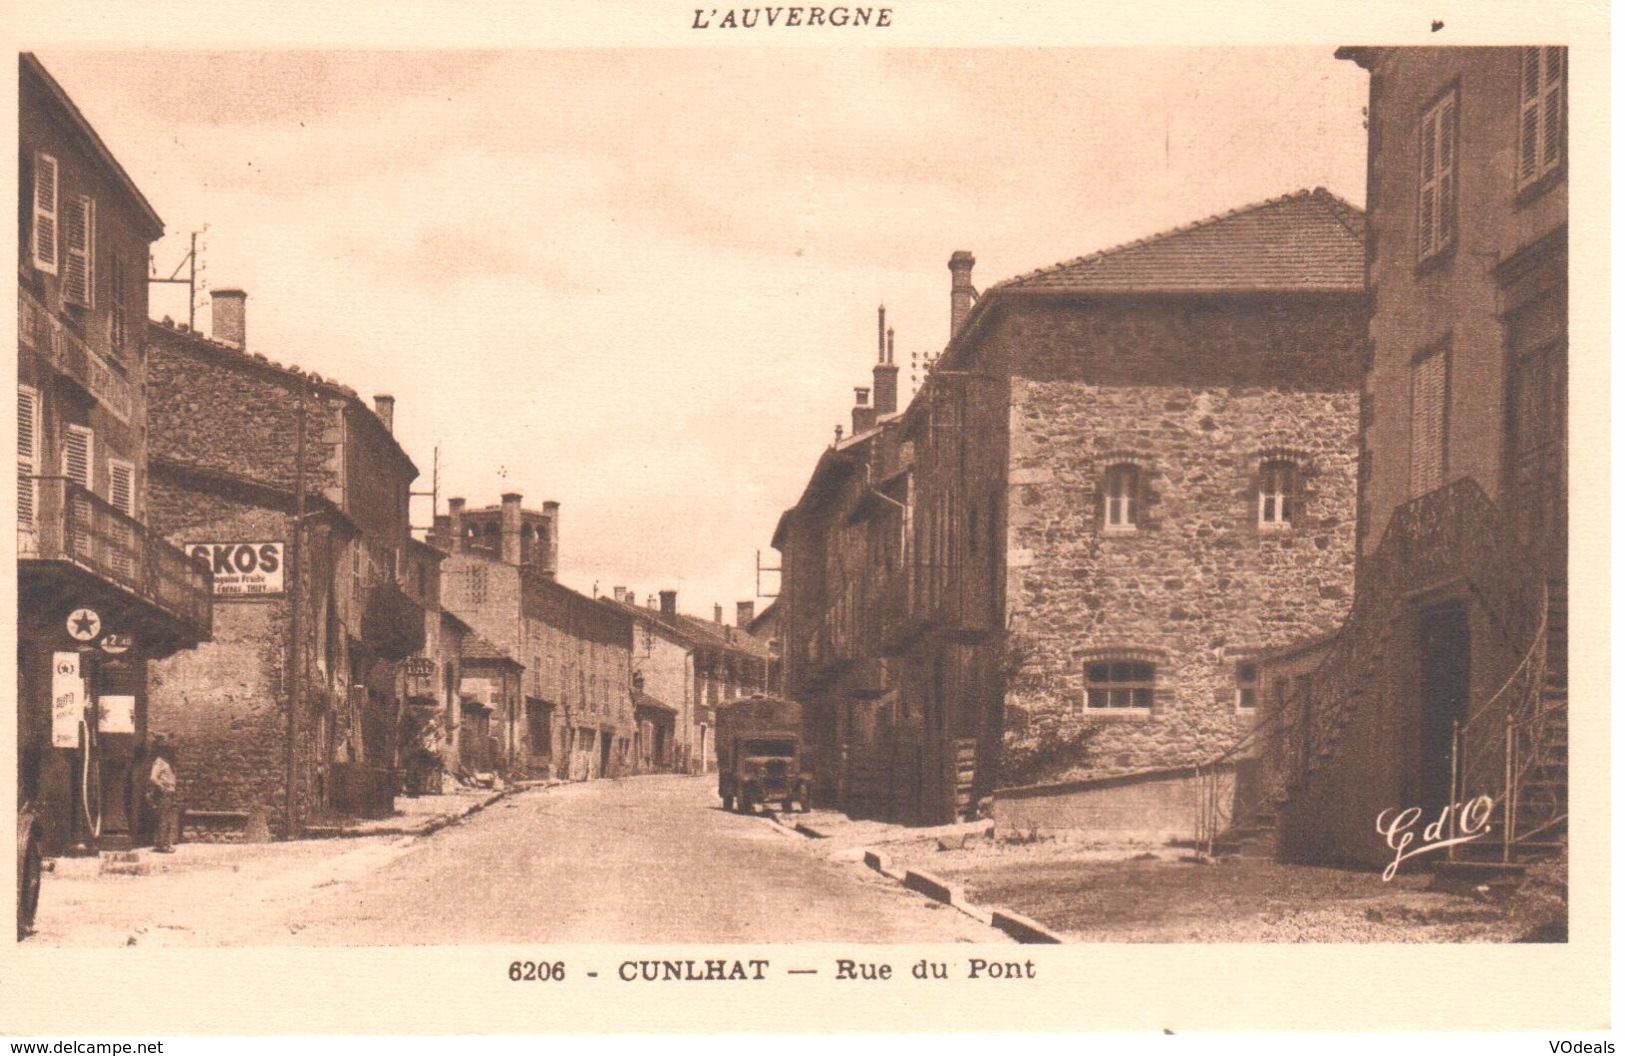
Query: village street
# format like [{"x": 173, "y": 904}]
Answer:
[{"x": 644, "y": 860}]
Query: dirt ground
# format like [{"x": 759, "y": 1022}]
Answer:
[{"x": 1128, "y": 894}]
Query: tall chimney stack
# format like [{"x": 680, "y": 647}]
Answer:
[
  {"x": 885, "y": 373},
  {"x": 744, "y": 612},
  {"x": 717, "y": 615},
  {"x": 454, "y": 517},
  {"x": 440, "y": 536},
  {"x": 511, "y": 523},
  {"x": 668, "y": 604},
  {"x": 229, "y": 317},
  {"x": 863, "y": 415},
  {"x": 963, "y": 295},
  {"x": 550, "y": 560},
  {"x": 384, "y": 407}
]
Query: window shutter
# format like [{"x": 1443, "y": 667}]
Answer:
[
  {"x": 1425, "y": 212},
  {"x": 1444, "y": 201},
  {"x": 27, "y": 453},
  {"x": 79, "y": 238},
  {"x": 76, "y": 456},
  {"x": 1427, "y": 423},
  {"x": 1529, "y": 116},
  {"x": 1551, "y": 134},
  {"x": 45, "y": 187},
  {"x": 121, "y": 486}
]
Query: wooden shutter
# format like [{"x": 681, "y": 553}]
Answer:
[
  {"x": 1436, "y": 206},
  {"x": 78, "y": 242},
  {"x": 1429, "y": 390},
  {"x": 121, "y": 486},
  {"x": 76, "y": 455},
  {"x": 1540, "y": 112},
  {"x": 45, "y": 213},
  {"x": 1551, "y": 125},
  {"x": 27, "y": 453}
]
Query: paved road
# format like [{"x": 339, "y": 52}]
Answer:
[{"x": 644, "y": 860}]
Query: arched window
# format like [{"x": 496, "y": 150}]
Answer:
[
  {"x": 1277, "y": 484},
  {"x": 1115, "y": 684},
  {"x": 1122, "y": 497}
]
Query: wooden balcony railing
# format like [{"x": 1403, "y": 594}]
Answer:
[
  {"x": 70, "y": 524},
  {"x": 70, "y": 355}
]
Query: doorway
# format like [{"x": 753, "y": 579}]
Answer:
[
  {"x": 604, "y": 744},
  {"x": 1444, "y": 687}
]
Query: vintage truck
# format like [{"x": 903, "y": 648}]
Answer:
[{"x": 760, "y": 754}]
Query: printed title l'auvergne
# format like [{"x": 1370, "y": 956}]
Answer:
[{"x": 1247, "y": 530}]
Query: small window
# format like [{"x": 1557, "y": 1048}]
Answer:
[
  {"x": 1120, "y": 684},
  {"x": 1436, "y": 197},
  {"x": 1540, "y": 113},
  {"x": 1276, "y": 483},
  {"x": 78, "y": 451},
  {"x": 1246, "y": 686},
  {"x": 1122, "y": 498}
]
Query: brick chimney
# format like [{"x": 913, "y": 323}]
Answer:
[
  {"x": 717, "y": 615},
  {"x": 550, "y": 560},
  {"x": 511, "y": 524},
  {"x": 962, "y": 296},
  {"x": 454, "y": 518},
  {"x": 668, "y": 604},
  {"x": 384, "y": 407},
  {"x": 620, "y": 593},
  {"x": 229, "y": 317},
  {"x": 744, "y": 612},
  {"x": 885, "y": 371},
  {"x": 440, "y": 535},
  {"x": 863, "y": 415}
]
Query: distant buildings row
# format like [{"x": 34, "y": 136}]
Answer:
[
  {"x": 217, "y": 548},
  {"x": 1257, "y": 524}
]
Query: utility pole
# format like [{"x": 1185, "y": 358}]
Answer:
[
  {"x": 296, "y": 569},
  {"x": 190, "y": 262}
]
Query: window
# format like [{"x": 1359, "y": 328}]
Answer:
[
  {"x": 1540, "y": 113},
  {"x": 1246, "y": 686},
  {"x": 1276, "y": 482},
  {"x": 77, "y": 454},
  {"x": 121, "y": 486},
  {"x": 45, "y": 188},
  {"x": 1120, "y": 684},
  {"x": 79, "y": 245},
  {"x": 1122, "y": 495},
  {"x": 28, "y": 452},
  {"x": 1430, "y": 387},
  {"x": 1436, "y": 205}
]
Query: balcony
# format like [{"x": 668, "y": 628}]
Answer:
[
  {"x": 153, "y": 585},
  {"x": 70, "y": 356}
]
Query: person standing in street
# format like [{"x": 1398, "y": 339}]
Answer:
[{"x": 161, "y": 795}]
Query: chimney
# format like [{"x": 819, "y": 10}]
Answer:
[
  {"x": 668, "y": 604},
  {"x": 511, "y": 551},
  {"x": 863, "y": 415},
  {"x": 550, "y": 560},
  {"x": 384, "y": 407},
  {"x": 886, "y": 373},
  {"x": 717, "y": 615},
  {"x": 454, "y": 518},
  {"x": 229, "y": 317},
  {"x": 620, "y": 594},
  {"x": 744, "y": 612},
  {"x": 440, "y": 537},
  {"x": 963, "y": 295}
]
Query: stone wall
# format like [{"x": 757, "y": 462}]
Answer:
[{"x": 1200, "y": 585}]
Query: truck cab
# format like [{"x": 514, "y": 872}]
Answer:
[{"x": 760, "y": 755}]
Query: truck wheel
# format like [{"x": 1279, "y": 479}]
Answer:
[
  {"x": 728, "y": 803},
  {"x": 28, "y": 886},
  {"x": 803, "y": 800},
  {"x": 748, "y": 803}
]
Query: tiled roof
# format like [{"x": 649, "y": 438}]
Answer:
[
  {"x": 1310, "y": 240},
  {"x": 640, "y": 699},
  {"x": 478, "y": 648}
]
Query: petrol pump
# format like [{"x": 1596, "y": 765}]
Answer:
[{"x": 94, "y": 692}]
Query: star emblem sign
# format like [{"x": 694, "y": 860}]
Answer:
[{"x": 84, "y": 624}]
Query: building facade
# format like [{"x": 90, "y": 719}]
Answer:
[
  {"x": 1449, "y": 679},
  {"x": 1125, "y": 476},
  {"x": 338, "y": 598},
  {"x": 576, "y": 721},
  {"x": 99, "y": 594}
]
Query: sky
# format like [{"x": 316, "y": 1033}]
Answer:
[{"x": 643, "y": 283}]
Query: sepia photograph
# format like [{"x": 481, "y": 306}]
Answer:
[{"x": 721, "y": 499}]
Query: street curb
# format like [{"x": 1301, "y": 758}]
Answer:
[
  {"x": 1022, "y": 929},
  {"x": 427, "y": 828}
]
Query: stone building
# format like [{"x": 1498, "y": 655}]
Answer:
[
  {"x": 683, "y": 668},
  {"x": 1123, "y": 477},
  {"x": 1459, "y": 619},
  {"x": 576, "y": 720},
  {"x": 341, "y": 599},
  {"x": 99, "y": 594}
]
